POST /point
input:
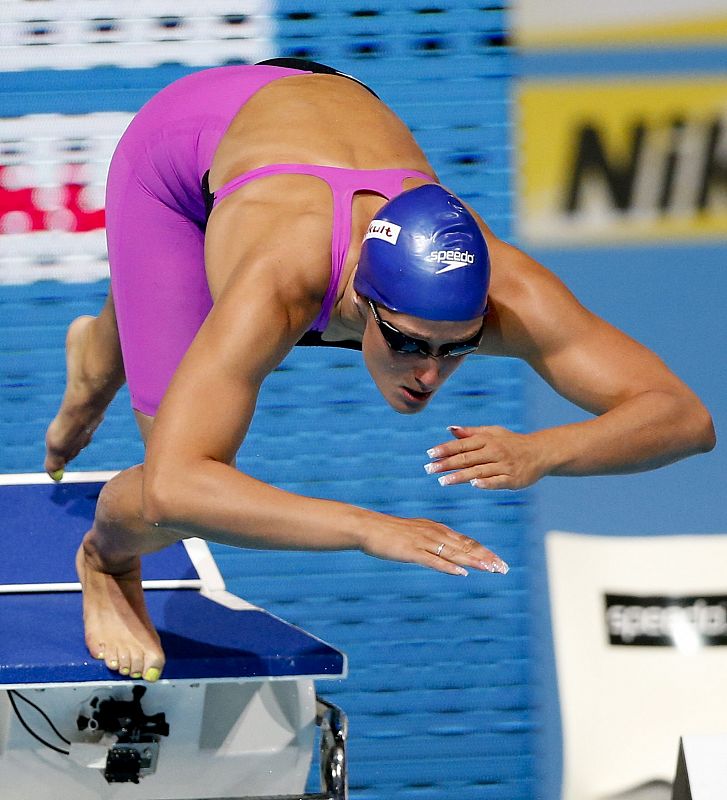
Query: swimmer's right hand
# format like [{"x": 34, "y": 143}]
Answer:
[{"x": 431, "y": 544}]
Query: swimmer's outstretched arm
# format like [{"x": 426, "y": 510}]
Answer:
[
  {"x": 645, "y": 417},
  {"x": 188, "y": 485}
]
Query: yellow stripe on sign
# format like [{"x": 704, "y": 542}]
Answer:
[
  {"x": 705, "y": 29},
  {"x": 622, "y": 160}
]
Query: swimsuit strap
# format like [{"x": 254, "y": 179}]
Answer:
[{"x": 344, "y": 183}]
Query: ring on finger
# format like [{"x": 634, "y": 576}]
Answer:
[{"x": 439, "y": 549}]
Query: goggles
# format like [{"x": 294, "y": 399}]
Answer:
[{"x": 403, "y": 343}]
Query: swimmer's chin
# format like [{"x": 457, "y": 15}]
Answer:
[{"x": 408, "y": 411}]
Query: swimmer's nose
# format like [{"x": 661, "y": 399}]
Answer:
[{"x": 428, "y": 376}]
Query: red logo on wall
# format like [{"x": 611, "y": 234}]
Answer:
[{"x": 68, "y": 206}]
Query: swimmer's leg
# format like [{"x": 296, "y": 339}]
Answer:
[
  {"x": 161, "y": 297},
  {"x": 94, "y": 373},
  {"x": 117, "y": 625}
]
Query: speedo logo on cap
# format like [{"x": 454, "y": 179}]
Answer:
[
  {"x": 381, "y": 229},
  {"x": 452, "y": 259}
]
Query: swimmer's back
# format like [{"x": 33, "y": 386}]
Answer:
[
  {"x": 316, "y": 119},
  {"x": 309, "y": 118}
]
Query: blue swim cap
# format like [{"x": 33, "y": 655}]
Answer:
[{"x": 425, "y": 255}]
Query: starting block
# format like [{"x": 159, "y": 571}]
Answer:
[{"x": 236, "y": 710}]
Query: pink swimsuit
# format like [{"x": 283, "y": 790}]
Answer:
[{"x": 156, "y": 216}]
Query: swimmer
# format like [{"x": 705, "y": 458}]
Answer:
[{"x": 253, "y": 208}]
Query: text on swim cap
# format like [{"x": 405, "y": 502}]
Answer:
[
  {"x": 454, "y": 259},
  {"x": 446, "y": 256},
  {"x": 381, "y": 229}
]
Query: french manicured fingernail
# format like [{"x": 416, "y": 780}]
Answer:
[
  {"x": 461, "y": 571},
  {"x": 501, "y": 566},
  {"x": 454, "y": 427},
  {"x": 429, "y": 468},
  {"x": 152, "y": 674},
  {"x": 445, "y": 480},
  {"x": 476, "y": 483},
  {"x": 487, "y": 566},
  {"x": 57, "y": 475},
  {"x": 432, "y": 453}
]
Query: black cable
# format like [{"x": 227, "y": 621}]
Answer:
[
  {"x": 43, "y": 714},
  {"x": 11, "y": 696}
]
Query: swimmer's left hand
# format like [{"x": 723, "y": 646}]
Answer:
[{"x": 488, "y": 457}]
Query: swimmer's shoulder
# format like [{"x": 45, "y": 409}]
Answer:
[{"x": 528, "y": 303}]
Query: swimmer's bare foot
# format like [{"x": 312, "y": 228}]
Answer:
[
  {"x": 117, "y": 625},
  {"x": 94, "y": 373}
]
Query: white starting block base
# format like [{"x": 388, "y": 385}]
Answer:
[
  {"x": 237, "y": 695},
  {"x": 253, "y": 737}
]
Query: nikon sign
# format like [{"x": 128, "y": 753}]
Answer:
[{"x": 607, "y": 161}]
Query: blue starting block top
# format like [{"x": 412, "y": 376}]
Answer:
[
  {"x": 42, "y": 641},
  {"x": 43, "y": 524},
  {"x": 203, "y": 637}
]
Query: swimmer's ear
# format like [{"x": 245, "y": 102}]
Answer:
[{"x": 360, "y": 304}]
